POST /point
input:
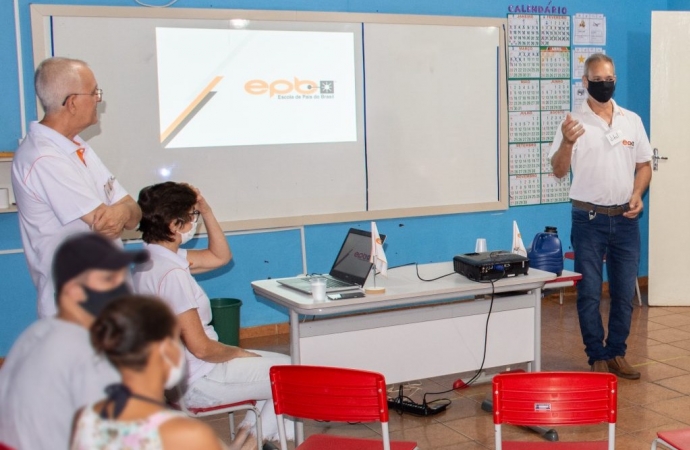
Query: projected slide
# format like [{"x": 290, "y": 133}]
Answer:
[{"x": 255, "y": 87}]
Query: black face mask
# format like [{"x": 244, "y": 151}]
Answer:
[
  {"x": 601, "y": 91},
  {"x": 97, "y": 300}
]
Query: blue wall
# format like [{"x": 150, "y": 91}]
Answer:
[{"x": 276, "y": 254}]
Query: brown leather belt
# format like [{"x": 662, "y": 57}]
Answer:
[{"x": 607, "y": 210}]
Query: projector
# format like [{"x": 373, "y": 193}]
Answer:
[{"x": 485, "y": 266}]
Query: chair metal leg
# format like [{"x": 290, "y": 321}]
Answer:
[
  {"x": 248, "y": 405},
  {"x": 663, "y": 443},
  {"x": 560, "y": 296},
  {"x": 546, "y": 433},
  {"x": 259, "y": 431}
]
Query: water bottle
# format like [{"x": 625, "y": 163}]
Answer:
[{"x": 546, "y": 252}]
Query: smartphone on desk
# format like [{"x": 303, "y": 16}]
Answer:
[{"x": 345, "y": 295}]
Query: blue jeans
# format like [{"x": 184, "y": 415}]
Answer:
[{"x": 617, "y": 238}]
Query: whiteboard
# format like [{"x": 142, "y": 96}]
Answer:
[
  {"x": 432, "y": 127},
  {"x": 431, "y": 133},
  {"x": 240, "y": 182}
]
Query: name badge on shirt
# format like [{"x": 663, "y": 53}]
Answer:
[
  {"x": 615, "y": 137},
  {"x": 108, "y": 187}
]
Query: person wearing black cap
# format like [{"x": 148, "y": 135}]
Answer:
[{"x": 52, "y": 370}]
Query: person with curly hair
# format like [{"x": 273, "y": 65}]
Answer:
[{"x": 218, "y": 373}]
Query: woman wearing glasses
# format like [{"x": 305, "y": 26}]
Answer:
[{"x": 217, "y": 373}]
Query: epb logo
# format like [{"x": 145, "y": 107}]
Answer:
[
  {"x": 362, "y": 256},
  {"x": 285, "y": 87}
]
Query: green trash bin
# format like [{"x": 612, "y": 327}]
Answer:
[{"x": 226, "y": 319}]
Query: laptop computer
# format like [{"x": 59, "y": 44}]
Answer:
[{"x": 350, "y": 268}]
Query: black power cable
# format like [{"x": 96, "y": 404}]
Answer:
[{"x": 425, "y": 406}]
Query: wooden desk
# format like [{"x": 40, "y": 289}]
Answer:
[{"x": 418, "y": 329}]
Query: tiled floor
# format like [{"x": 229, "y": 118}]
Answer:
[{"x": 659, "y": 346}]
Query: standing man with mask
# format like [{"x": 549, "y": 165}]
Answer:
[
  {"x": 610, "y": 155},
  {"x": 51, "y": 370},
  {"x": 60, "y": 184}
]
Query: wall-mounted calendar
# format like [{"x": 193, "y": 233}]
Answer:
[
  {"x": 544, "y": 84},
  {"x": 539, "y": 97}
]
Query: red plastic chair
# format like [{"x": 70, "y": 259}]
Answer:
[
  {"x": 673, "y": 439},
  {"x": 555, "y": 398},
  {"x": 336, "y": 395},
  {"x": 571, "y": 255}
]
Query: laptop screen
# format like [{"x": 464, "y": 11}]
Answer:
[{"x": 352, "y": 263}]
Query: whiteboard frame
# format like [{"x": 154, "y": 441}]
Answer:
[{"x": 40, "y": 26}]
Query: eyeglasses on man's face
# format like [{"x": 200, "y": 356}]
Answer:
[{"x": 98, "y": 93}]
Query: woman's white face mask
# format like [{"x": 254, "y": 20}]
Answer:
[{"x": 188, "y": 235}]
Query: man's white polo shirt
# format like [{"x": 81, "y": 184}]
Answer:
[
  {"x": 54, "y": 189},
  {"x": 604, "y": 172}
]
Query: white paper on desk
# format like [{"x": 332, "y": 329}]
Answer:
[{"x": 518, "y": 245}]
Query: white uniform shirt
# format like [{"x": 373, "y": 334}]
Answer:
[
  {"x": 604, "y": 172},
  {"x": 51, "y": 371},
  {"x": 167, "y": 276},
  {"x": 54, "y": 189}
]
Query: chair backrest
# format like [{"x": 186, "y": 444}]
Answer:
[
  {"x": 555, "y": 398},
  {"x": 329, "y": 393}
]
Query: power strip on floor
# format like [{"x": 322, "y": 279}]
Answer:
[{"x": 417, "y": 409}]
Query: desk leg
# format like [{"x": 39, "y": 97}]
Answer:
[
  {"x": 537, "y": 332},
  {"x": 294, "y": 337},
  {"x": 535, "y": 366},
  {"x": 294, "y": 354}
]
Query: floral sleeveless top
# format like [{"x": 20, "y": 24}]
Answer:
[{"x": 93, "y": 432}]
